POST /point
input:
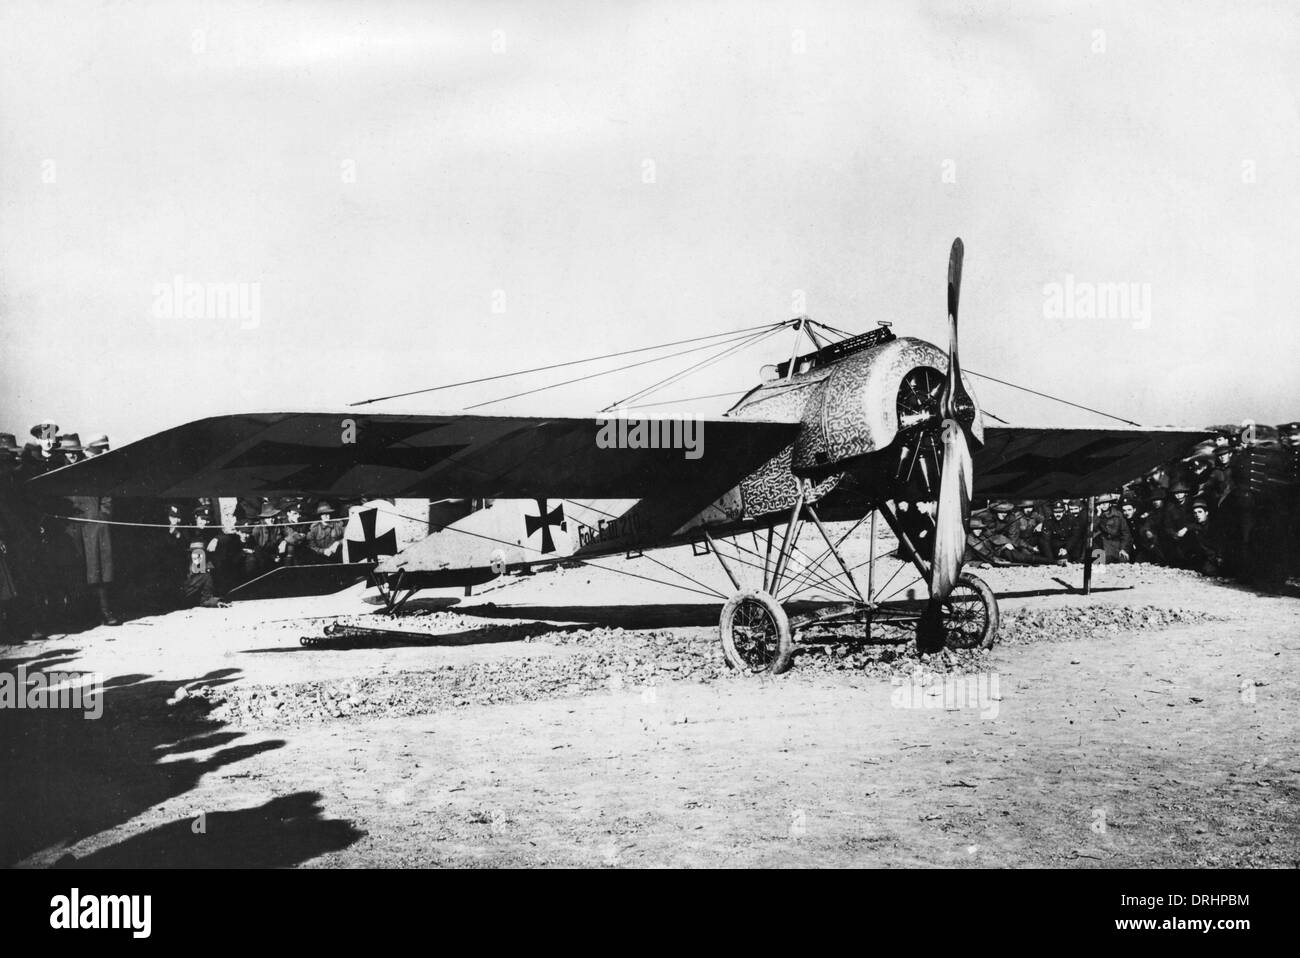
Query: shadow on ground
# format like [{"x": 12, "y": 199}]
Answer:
[
  {"x": 68, "y": 776},
  {"x": 285, "y": 831}
]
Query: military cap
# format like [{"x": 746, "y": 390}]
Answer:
[
  {"x": 174, "y": 510},
  {"x": 70, "y": 443},
  {"x": 1201, "y": 504},
  {"x": 1204, "y": 448},
  {"x": 202, "y": 511},
  {"x": 1107, "y": 499},
  {"x": 1001, "y": 506},
  {"x": 975, "y": 522},
  {"x": 1023, "y": 503},
  {"x": 1202, "y": 458},
  {"x": 268, "y": 510},
  {"x": 1058, "y": 505},
  {"x": 323, "y": 507},
  {"x": 1180, "y": 485},
  {"x": 8, "y": 444},
  {"x": 99, "y": 441},
  {"x": 46, "y": 427}
]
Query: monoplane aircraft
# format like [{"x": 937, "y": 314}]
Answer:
[{"x": 848, "y": 431}]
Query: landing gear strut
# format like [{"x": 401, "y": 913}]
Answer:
[{"x": 759, "y": 637}]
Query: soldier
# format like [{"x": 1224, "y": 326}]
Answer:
[
  {"x": 227, "y": 555},
  {"x": 1112, "y": 535},
  {"x": 1076, "y": 515},
  {"x": 198, "y": 588},
  {"x": 1005, "y": 537},
  {"x": 1062, "y": 534},
  {"x": 1202, "y": 550},
  {"x": 293, "y": 543},
  {"x": 1218, "y": 483},
  {"x": 173, "y": 557},
  {"x": 204, "y": 532},
  {"x": 1173, "y": 523},
  {"x": 94, "y": 546},
  {"x": 1146, "y": 529},
  {"x": 325, "y": 537},
  {"x": 38, "y": 455},
  {"x": 1029, "y": 530},
  {"x": 1199, "y": 474},
  {"x": 64, "y": 546},
  {"x": 266, "y": 537}
]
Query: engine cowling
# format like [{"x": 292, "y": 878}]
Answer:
[{"x": 853, "y": 412}]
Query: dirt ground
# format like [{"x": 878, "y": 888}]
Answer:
[{"x": 1153, "y": 723}]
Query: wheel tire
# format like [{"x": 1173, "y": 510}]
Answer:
[
  {"x": 755, "y": 634},
  {"x": 982, "y": 629}
]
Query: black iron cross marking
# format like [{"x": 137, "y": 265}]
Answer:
[
  {"x": 544, "y": 520},
  {"x": 372, "y": 547}
]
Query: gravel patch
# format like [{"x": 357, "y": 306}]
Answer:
[{"x": 614, "y": 660}]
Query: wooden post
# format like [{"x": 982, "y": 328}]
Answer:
[{"x": 1087, "y": 547}]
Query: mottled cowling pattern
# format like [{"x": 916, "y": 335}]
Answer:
[{"x": 855, "y": 410}]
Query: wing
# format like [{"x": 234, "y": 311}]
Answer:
[
  {"x": 439, "y": 456},
  {"x": 1042, "y": 463}
]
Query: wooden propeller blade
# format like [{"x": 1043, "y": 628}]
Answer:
[{"x": 955, "y": 488}]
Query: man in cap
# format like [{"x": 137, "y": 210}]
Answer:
[
  {"x": 234, "y": 559},
  {"x": 1112, "y": 533},
  {"x": 1077, "y": 514},
  {"x": 1173, "y": 523},
  {"x": 266, "y": 537},
  {"x": 38, "y": 455},
  {"x": 325, "y": 537},
  {"x": 94, "y": 545},
  {"x": 199, "y": 588},
  {"x": 1062, "y": 533},
  {"x": 1198, "y": 469},
  {"x": 1006, "y": 537},
  {"x": 293, "y": 541},
  {"x": 1217, "y": 483},
  {"x": 1144, "y": 526},
  {"x": 63, "y": 543},
  {"x": 1201, "y": 550}
]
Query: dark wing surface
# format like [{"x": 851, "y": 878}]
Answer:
[
  {"x": 1045, "y": 463},
  {"x": 436, "y": 456}
]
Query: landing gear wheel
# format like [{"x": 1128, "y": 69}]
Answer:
[
  {"x": 967, "y": 619},
  {"x": 755, "y": 633}
]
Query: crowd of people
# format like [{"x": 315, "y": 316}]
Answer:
[
  {"x": 57, "y": 555},
  {"x": 1231, "y": 508}
]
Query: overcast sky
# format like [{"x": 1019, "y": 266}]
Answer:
[{"x": 420, "y": 193}]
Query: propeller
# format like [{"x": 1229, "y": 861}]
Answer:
[{"x": 956, "y": 475}]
